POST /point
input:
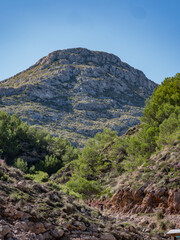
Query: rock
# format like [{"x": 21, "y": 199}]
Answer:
[
  {"x": 36, "y": 228},
  {"x": 132, "y": 229},
  {"x": 48, "y": 226},
  {"x": 39, "y": 188},
  {"x": 21, "y": 215},
  {"x": 107, "y": 236},
  {"x": 10, "y": 235},
  {"x": 82, "y": 210},
  {"x": 177, "y": 201},
  {"x": 3, "y": 222},
  {"x": 4, "y": 230},
  {"x": 57, "y": 233},
  {"x": 21, "y": 226},
  {"x": 89, "y": 238},
  {"x": 21, "y": 185},
  {"x": 53, "y": 196},
  {"x": 144, "y": 222},
  {"x": 152, "y": 225},
  {"x": 47, "y": 235},
  {"x": 80, "y": 225}
]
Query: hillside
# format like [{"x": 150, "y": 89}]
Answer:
[
  {"x": 58, "y": 189},
  {"x": 152, "y": 186},
  {"x": 76, "y": 93},
  {"x": 136, "y": 174},
  {"x": 30, "y": 210}
]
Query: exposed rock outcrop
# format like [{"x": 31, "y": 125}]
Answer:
[
  {"x": 77, "y": 92},
  {"x": 142, "y": 201}
]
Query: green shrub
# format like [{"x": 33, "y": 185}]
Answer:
[
  {"x": 169, "y": 127},
  {"x": 162, "y": 225},
  {"x": 70, "y": 154},
  {"x": 39, "y": 176},
  {"x": 83, "y": 186},
  {"x": 20, "y": 164},
  {"x": 105, "y": 137},
  {"x": 32, "y": 169},
  {"x": 3, "y": 176},
  {"x": 51, "y": 164},
  {"x": 159, "y": 215}
]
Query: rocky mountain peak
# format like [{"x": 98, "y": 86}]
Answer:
[
  {"x": 101, "y": 62},
  {"x": 77, "y": 92},
  {"x": 79, "y": 56}
]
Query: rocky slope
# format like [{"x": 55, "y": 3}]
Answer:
[
  {"x": 149, "y": 196},
  {"x": 30, "y": 210},
  {"x": 155, "y": 186},
  {"x": 75, "y": 93}
]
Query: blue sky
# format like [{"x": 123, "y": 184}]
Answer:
[{"x": 143, "y": 33}]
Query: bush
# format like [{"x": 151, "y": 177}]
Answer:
[
  {"x": 20, "y": 164},
  {"x": 32, "y": 169},
  {"x": 159, "y": 215},
  {"x": 83, "y": 186},
  {"x": 39, "y": 176},
  {"x": 3, "y": 176},
  {"x": 70, "y": 154},
  {"x": 51, "y": 164},
  {"x": 169, "y": 127}
]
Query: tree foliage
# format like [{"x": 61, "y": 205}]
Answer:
[
  {"x": 160, "y": 121},
  {"x": 163, "y": 101},
  {"x": 18, "y": 140},
  {"x": 84, "y": 187}
]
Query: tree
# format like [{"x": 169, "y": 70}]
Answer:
[
  {"x": 51, "y": 164},
  {"x": 163, "y": 101},
  {"x": 160, "y": 120}
]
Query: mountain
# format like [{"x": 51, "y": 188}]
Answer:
[
  {"x": 75, "y": 93},
  {"x": 135, "y": 176}
]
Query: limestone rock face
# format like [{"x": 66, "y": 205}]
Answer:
[{"x": 77, "y": 92}]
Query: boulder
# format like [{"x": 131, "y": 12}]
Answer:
[
  {"x": 80, "y": 225},
  {"x": 57, "y": 233},
  {"x": 4, "y": 230},
  {"x": 107, "y": 236}
]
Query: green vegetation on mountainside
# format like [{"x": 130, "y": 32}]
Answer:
[
  {"x": 31, "y": 149},
  {"x": 105, "y": 157},
  {"x": 106, "y": 154}
]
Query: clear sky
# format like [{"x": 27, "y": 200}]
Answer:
[{"x": 143, "y": 33}]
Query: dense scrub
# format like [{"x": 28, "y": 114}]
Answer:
[{"x": 32, "y": 149}]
